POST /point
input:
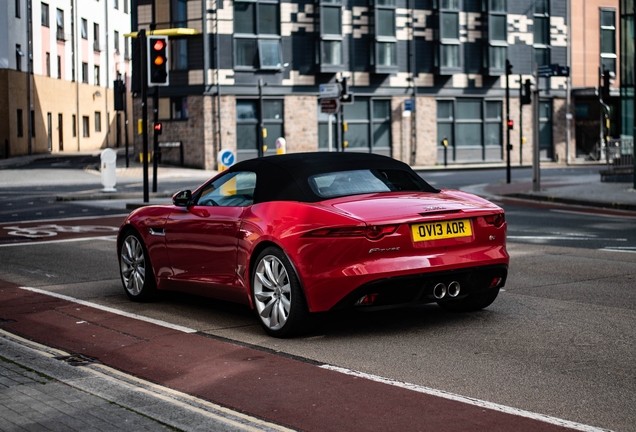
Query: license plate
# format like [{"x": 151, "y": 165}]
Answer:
[{"x": 441, "y": 230}]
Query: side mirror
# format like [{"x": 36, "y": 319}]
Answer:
[{"x": 182, "y": 198}]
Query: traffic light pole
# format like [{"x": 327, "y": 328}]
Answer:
[
  {"x": 520, "y": 120},
  {"x": 155, "y": 138},
  {"x": 144, "y": 108},
  {"x": 536, "y": 160},
  {"x": 508, "y": 143}
]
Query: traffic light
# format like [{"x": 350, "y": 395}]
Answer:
[
  {"x": 511, "y": 124},
  {"x": 158, "y": 61},
  {"x": 508, "y": 67},
  {"x": 608, "y": 79},
  {"x": 526, "y": 95},
  {"x": 346, "y": 97},
  {"x": 158, "y": 128}
]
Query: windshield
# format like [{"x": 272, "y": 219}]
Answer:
[{"x": 355, "y": 182}]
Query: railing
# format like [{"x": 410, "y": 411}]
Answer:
[{"x": 621, "y": 154}]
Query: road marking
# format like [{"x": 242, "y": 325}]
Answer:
[
  {"x": 51, "y": 230},
  {"x": 408, "y": 386},
  {"x": 513, "y": 237},
  {"x": 468, "y": 400},
  {"x": 112, "y": 310},
  {"x": 627, "y": 249},
  {"x": 588, "y": 213},
  {"x": 123, "y": 215},
  {"x": 107, "y": 238}
]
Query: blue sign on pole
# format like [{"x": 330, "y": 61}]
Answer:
[
  {"x": 408, "y": 105},
  {"x": 227, "y": 158}
]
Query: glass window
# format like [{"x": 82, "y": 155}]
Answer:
[
  {"x": 98, "y": 121},
  {"x": 381, "y": 110},
  {"x": 85, "y": 127},
  {"x": 385, "y": 22},
  {"x": 497, "y": 57},
  {"x": 498, "y": 24},
  {"x": 20, "y": 124},
  {"x": 96, "y": 75},
  {"x": 493, "y": 110},
  {"x": 449, "y": 4},
  {"x": 269, "y": 54},
  {"x": 268, "y": 19},
  {"x": 449, "y": 25},
  {"x": 332, "y": 21},
  {"x": 272, "y": 109},
  {"x": 468, "y": 109},
  {"x": 498, "y": 6},
  {"x": 245, "y": 52},
  {"x": 331, "y": 52},
  {"x": 84, "y": 29},
  {"x": 354, "y": 182},
  {"x": 246, "y": 110},
  {"x": 468, "y": 134},
  {"x": 445, "y": 110},
  {"x": 60, "y": 25},
  {"x": 542, "y": 56},
  {"x": 358, "y": 110},
  {"x": 84, "y": 72},
  {"x": 45, "y": 15},
  {"x": 387, "y": 54},
  {"x": 542, "y": 7},
  {"x": 180, "y": 54},
  {"x": 181, "y": 15},
  {"x": 541, "y": 30},
  {"x": 116, "y": 41},
  {"x": 232, "y": 190},
  {"x": 450, "y": 56},
  {"x": 608, "y": 41},
  {"x": 244, "y": 18},
  {"x": 608, "y": 18}
]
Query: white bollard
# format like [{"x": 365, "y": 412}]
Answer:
[{"x": 109, "y": 166}]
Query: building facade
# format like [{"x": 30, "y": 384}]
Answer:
[
  {"x": 58, "y": 61},
  {"x": 420, "y": 71},
  {"x": 628, "y": 81}
]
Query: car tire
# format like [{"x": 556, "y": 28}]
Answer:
[
  {"x": 135, "y": 269},
  {"x": 278, "y": 298},
  {"x": 472, "y": 302}
]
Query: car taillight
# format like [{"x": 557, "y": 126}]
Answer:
[
  {"x": 497, "y": 219},
  {"x": 374, "y": 232}
]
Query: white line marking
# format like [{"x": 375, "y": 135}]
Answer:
[
  {"x": 589, "y": 213},
  {"x": 619, "y": 249},
  {"x": 112, "y": 310},
  {"x": 408, "y": 386},
  {"x": 468, "y": 400},
  {"x": 69, "y": 219},
  {"x": 563, "y": 238},
  {"x": 23, "y": 243}
]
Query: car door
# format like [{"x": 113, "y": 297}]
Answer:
[{"x": 202, "y": 239}]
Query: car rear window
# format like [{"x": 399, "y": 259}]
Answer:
[{"x": 355, "y": 182}]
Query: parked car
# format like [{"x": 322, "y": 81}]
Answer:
[{"x": 296, "y": 234}]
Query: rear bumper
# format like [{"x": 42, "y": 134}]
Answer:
[{"x": 418, "y": 288}]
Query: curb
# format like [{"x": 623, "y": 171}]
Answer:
[{"x": 572, "y": 201}]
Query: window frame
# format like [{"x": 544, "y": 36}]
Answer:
[
  {"x": 542, "y": 47},
  {"x": 330, "y": 39},
  {"x": 45, "y": 18},
  {"x": 256, "y": 37},
  {"x": 495, "y": 44},
  {"x": 385, "y": 40},
  {"x": 59, "y": 32},
  {"x": 98, "y": 121},
  {"x": 96, "y": 38},
  {"x": 605, "y": 56},
  {"x": 448, "y": 7},
  {"x": 84, "y": 28},
  {"x": 255, "y": 122}
]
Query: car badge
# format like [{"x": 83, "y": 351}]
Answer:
[{"x": 432, "y": 208}]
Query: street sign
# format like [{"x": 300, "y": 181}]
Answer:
[
  {"x": 408, "y": 105},
  {"x": 226, "y": 158},
  {"x": 329, "y": 90},
  {"x": 329, "y": 105},
  {"x": 554, "y": 70}
]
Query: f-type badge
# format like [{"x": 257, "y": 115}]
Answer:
[
  {"x": 393, "y": 249},
  {"x": 433, "y": 208}
]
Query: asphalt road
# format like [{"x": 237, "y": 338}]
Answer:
[{"x": 558, "y": 341}]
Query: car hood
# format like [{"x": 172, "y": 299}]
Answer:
[{"x": 400, "y": 207}]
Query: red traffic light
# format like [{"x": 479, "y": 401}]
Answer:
[
  {"x": 511, "y": 124},
  {"x": 158, "y": 128},
  {"x": 158, "y": 45}
]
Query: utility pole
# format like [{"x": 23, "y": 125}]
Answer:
[
  {"x": 144, "y": 108},
  {"x": 536, "y": 160}
]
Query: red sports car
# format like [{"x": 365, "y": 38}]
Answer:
[{"x": 295, "y": 234}]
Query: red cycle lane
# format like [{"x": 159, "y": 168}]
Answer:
[
  {"x": 60, "y": 229},
  {"x": 298, "y": 394}
]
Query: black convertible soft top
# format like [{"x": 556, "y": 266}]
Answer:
[{"x": 286, "y": 177}]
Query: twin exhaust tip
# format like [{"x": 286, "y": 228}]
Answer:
[{"x": 452, "y": 290}]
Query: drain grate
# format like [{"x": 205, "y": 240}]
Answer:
[{"x": 77, "y": 360}]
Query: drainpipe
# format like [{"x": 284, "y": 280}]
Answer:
[
  {"x": 568, "y": 84},
  {"x": 76, "y": 73},
  {"x": 107, "y": 83},
  {"x": 29, "y": 57}
]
